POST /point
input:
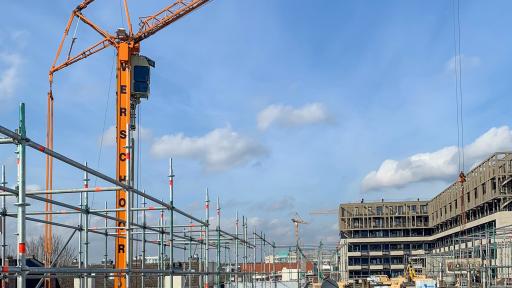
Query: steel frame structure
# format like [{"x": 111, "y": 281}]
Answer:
[
  {"x": 194, "y": 235},
  {"x": 486, "y": 254}
]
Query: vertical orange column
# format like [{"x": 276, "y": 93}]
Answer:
[{"x": 122, "y": 121}]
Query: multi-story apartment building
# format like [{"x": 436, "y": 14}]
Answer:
[{"x": 380, "y": 237}]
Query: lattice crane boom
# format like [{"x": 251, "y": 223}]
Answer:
[
  {"x": 151, "y": 24},
  {"x": 323, "y": 212}
]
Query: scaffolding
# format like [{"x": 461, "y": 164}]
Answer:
[
  {"x": 150, "y": 223},
  {"x": 475, "y": 259}
]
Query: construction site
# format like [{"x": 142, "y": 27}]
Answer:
[{"x": 91, "y": 226}]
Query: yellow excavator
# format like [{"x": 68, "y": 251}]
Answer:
[{"x": 407, "y": 280}]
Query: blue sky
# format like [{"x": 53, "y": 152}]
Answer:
[{"x": 338, "y": 88}]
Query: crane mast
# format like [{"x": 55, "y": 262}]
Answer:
[{"x": 127, "y": 45}]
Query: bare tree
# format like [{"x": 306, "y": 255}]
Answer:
[{"x": 35, "y": 248}]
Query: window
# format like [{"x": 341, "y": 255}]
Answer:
[
  {"x": 413, "y": 209},
  {"x": 468, "y": 196},
  {"x": 375, "y": 247},
  {"x": 450, "y": 207},
  {"x": 424, "y": 209},
  {"x": 379, "y": 210},
  {"x": 400, "y": 210},
  {"x": 484, "y": 189},
  {"x": 475, "y": 191},
  {"x": 356, "y": 211},
  {"x": 455, "y": 204}
]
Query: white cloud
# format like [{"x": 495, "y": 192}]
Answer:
[
  {"x": 10, "y": 64},
  {"x": 220, "y": 149},
  {"x": 109, "y": 136},
  {"x": 289, "y": 116},
  {"x": 494, "y": 140},
  {"x": 438, "y": 165},
  {"x": 465, "y": 61}
]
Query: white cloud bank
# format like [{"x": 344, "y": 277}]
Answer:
[
  {"x": 10, "y": 64},
  {"x": 217, "y": 150},
  {"x": 438, "y": 165},
  {"x": 289, "y": 116}
]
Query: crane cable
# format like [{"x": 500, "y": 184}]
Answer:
[
  {"x": 105, "y": 115},
  {"x": 457, "y": 69},
  {"x": 457, "y": 65},
  {"x": 73, "y": 40}
]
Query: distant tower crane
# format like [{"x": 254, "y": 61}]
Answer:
[
  {"x": 133, "y": 71},
  {"x": 324, "y": 212},
  {"x": 297, "y": 220}
]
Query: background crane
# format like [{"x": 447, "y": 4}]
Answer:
[
  {"x": 132, "y": 86},
  {"x": 324, "y": 212},
  {"x": 297, "y": 220}
]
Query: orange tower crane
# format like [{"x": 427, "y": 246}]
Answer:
[{"x": 132, "y": 85}]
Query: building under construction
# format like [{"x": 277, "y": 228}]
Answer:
[{"x": 461, "y": 237}]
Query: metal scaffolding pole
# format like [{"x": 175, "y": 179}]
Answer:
[
  {"x": 274, "y": 263},
  {"x": 236, "y": 249},
  {"x": 105, "y": 256},
  {"x": 129, "y": 204},
  {"x": 4, "y": 227},
  {"x": 21, "y": 203},
  {"x": 207, "y": 236},
  {"x": 190, "y": 255},
  {"x": 171, "y": 221},
  {"x": 217, "y": 275},
  {"x": 143, "y": 260},
  {"x": 86, "y": 226},
  {"x": 244, "y": 227},
  {"x": 201, "y": 256},
  {"x": 254, "y": 257},
  {"x": 160, "y": 251},
  {"x": 81, "y": 237}
]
